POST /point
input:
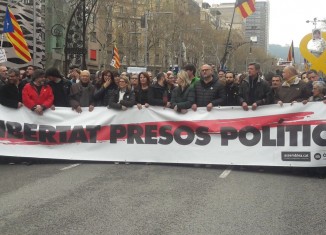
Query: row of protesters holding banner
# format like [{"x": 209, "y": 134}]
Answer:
[{"x": 49, "y": 89}]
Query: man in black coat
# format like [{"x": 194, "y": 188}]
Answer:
[
  {"x": 60, "y": 87},
  {"x": 157, "y": 93},
  {"x": 231, "y": 90},
  {"x": 209, "y": 92},
  {"x": 254, "y": 90},
  {"x": 10, "y": 93}
]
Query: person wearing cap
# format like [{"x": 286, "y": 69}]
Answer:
[
  {"x": 10, "y": 94},
  {"x": 37, "y": 95},
  {"x": 60, "y": 87},
  {"x": 82, "y": 93}
]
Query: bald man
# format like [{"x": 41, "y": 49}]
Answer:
[
  {"x": 81, "y": 94},
  {"x": 209, "y": 92},
  {"x": 292, "y": 89}
]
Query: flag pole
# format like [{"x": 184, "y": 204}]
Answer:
[{"x": 223, "y": 61}]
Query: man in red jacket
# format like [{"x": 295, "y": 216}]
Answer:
[{"x": 37, "y": 95}]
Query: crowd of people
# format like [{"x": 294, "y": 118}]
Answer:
[{"x": 39, "y": 90}]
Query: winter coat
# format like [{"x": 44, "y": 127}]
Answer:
[
  {"x": 183, "y": 99},
  {"x": 231, "y": 92},
  {"x": 141, "y": 96},
  {"x": 157, "y": 95},
  {"x": 212, "y": 92},
  {"x": 127, "y": 101},
  {"x": 81, "y": 96},
  {"x": 32, "y": 97},
  {"x": 61, "y": 92},
  {"x": 298, "y": 91},
  {"x": 10, "y": 95},
  {"x": 262, "y": 95}
]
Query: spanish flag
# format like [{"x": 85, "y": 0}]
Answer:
[
  {"x": 15, "y": 36},
  {"x": 245, "y": 7},
  {"x": 291, "y": 54},
  {"x": 116, "y": 58}
]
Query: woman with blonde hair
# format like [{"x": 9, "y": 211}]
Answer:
[
  {"x": 123, "y": 97},
  {"x": 183, "y": 96}
]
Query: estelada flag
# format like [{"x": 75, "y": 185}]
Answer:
[
  {"x": 291, "y": 53},
  {"x": 245, "y": 7},
  {"x": 116, "y": 58},
  {"x": 15, "y": 36}
]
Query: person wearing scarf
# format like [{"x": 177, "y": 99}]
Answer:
[{"x": 293, "y": 89}]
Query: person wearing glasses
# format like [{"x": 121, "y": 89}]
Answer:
[{"x": 122, "y": 98}]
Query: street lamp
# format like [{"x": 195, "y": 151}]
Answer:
[{"x": 314, "y": 21}]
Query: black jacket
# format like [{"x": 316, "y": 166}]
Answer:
[
  {"x": 61, "y": 91},
  {"x": 183, "y": 99},
  {"x": 10, "y": 95},
  {"x": 102, "y": 95},
  {"x": 141, "y": 96},
  {"x": 262, "y": 92},
  {"x": 157, "y": 95},
  {"x": 212, "y": 92},
  {"x": 231, "y": 92},
  {"x": 128, "y": 99}
]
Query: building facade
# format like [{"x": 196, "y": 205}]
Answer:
[{"x": 257, "y": 24}]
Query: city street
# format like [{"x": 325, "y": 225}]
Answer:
[{"x": 104, "y": 198}]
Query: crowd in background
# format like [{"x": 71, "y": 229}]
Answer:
[{"x": 39, "y": 90}]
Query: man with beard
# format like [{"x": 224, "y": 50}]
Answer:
[
  {"x": 10, "y": 94},
  {"x": 231, "y": 90},
  {"x": 276, "y": 84},
  {"x": 37, "y": 96},
  {"x": 29, "y": 74},
  {"x": 209, "y": 92},
  {"x": 81, "y": 94}
]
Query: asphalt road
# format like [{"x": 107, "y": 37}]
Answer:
[{"x": 89, "y": 198}]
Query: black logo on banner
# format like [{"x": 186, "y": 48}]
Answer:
[{"x": 296, "y": 156}]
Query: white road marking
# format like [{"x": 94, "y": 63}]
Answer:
[
  {"x": 225, "y": 173},
  {"x": 69, "y": 167}
]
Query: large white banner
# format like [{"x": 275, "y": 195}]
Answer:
[{"x": 270, "y": 136}]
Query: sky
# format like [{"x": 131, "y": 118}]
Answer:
[{"x": 288, "y": 19}]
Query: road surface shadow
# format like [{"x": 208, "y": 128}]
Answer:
[{"x": 319, "y": 172}]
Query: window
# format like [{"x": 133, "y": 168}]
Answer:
[
  {"x": 92, "y": 54},
  {"x": 157, "y": 58},
  {"x": 92, "y": 36}
]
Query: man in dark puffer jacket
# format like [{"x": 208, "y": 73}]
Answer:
[{"x": 209, "y": 92}]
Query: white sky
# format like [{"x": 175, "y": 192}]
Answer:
[{"x": 288, "y": 19}]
